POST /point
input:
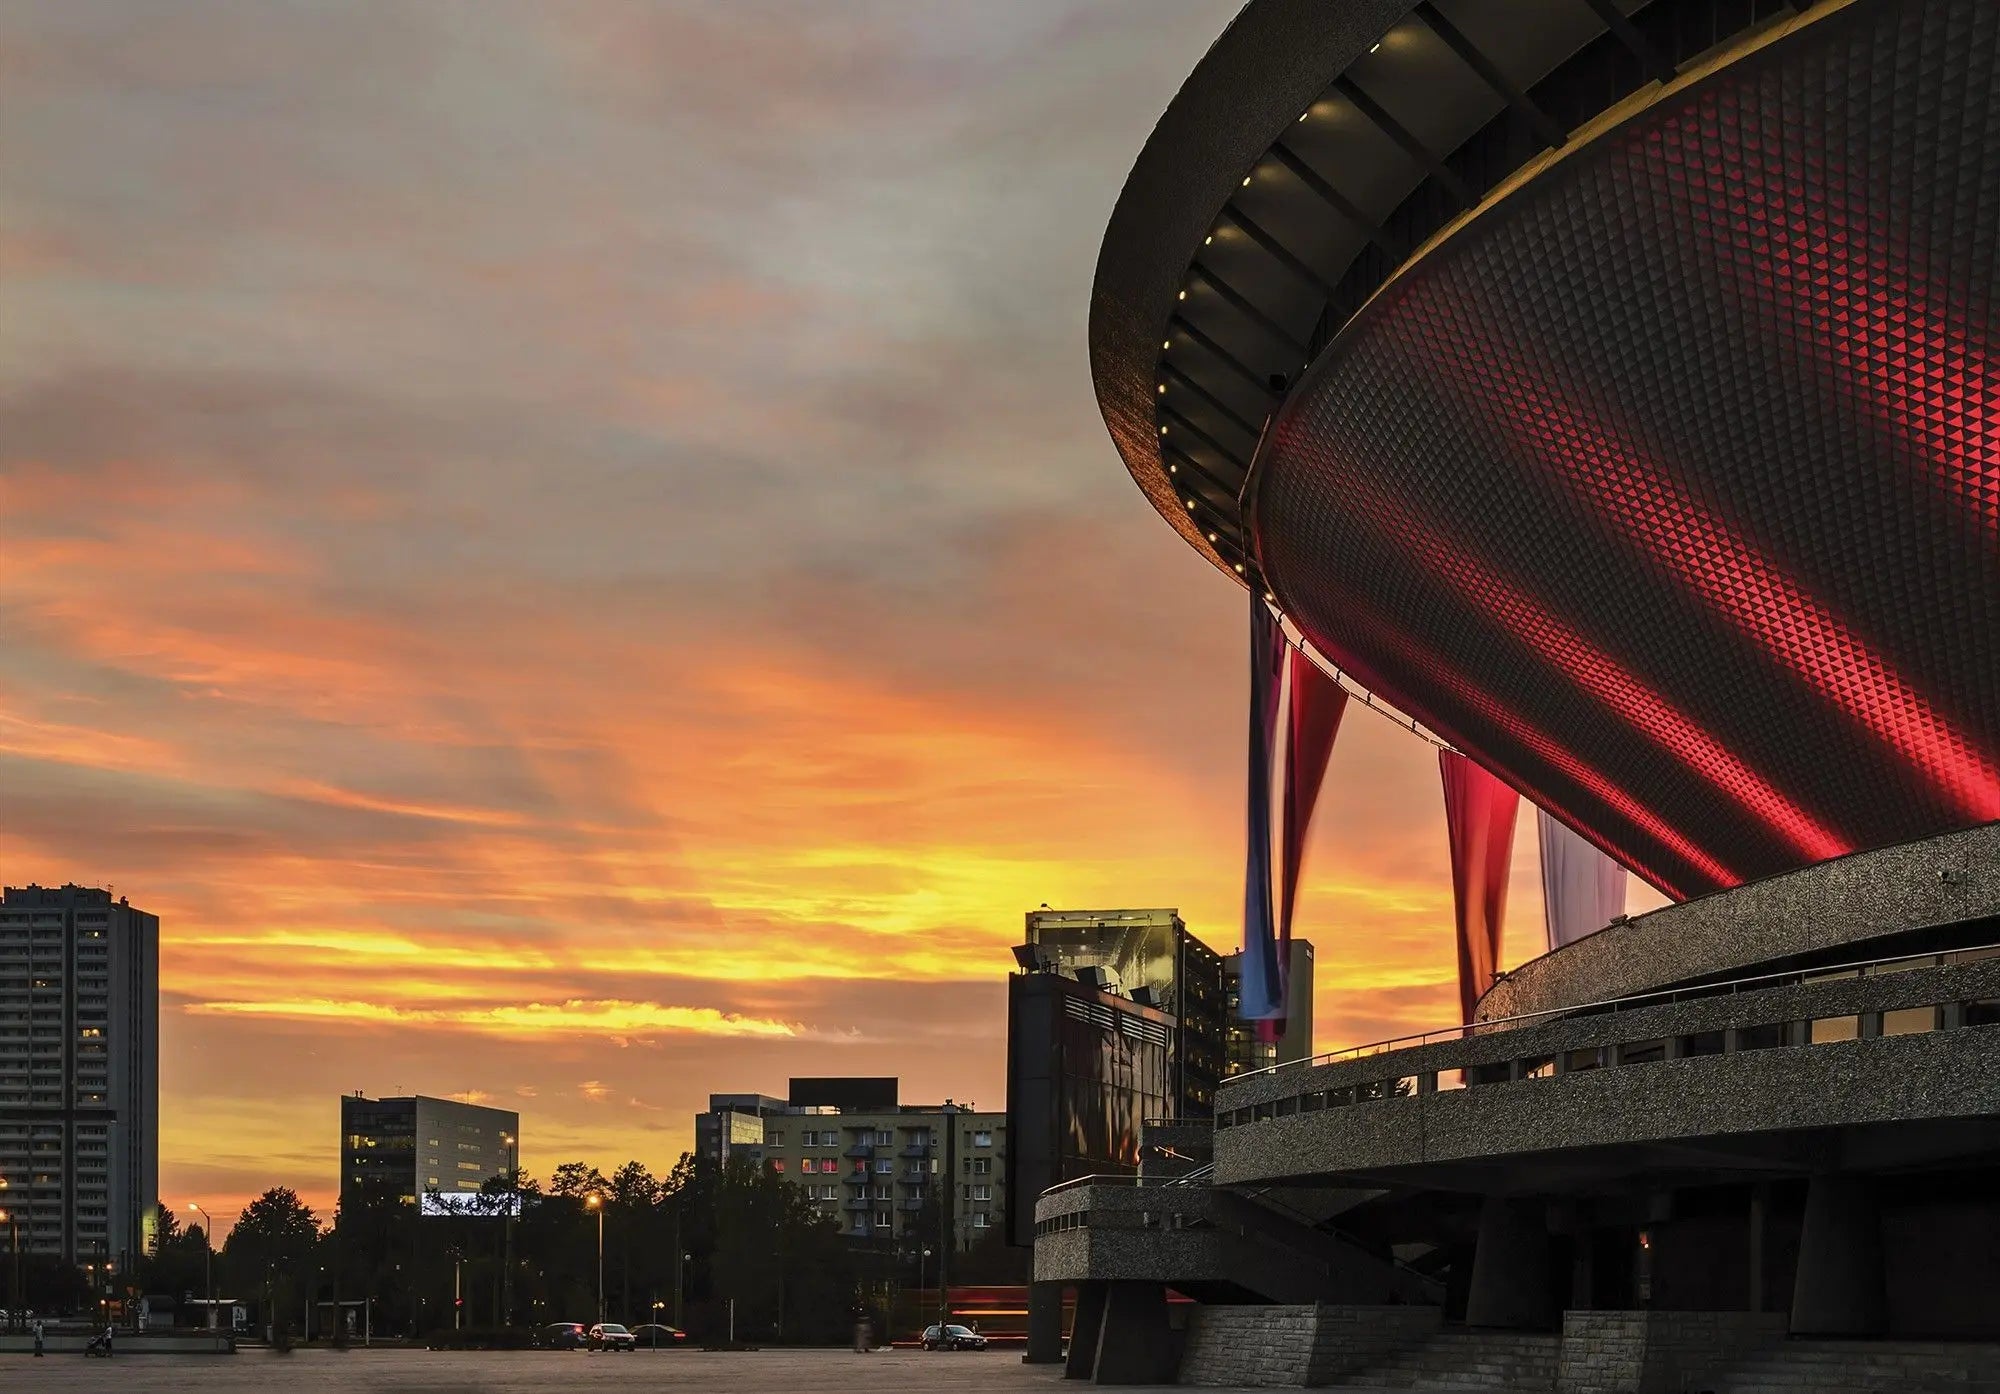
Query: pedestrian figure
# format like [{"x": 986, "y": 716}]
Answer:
[{"x": 38, "y": 1335}]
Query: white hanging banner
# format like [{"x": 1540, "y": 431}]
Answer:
[{"x": 1582, "y": 889}]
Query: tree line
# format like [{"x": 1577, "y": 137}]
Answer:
[{"x": 733, "y": 1246}]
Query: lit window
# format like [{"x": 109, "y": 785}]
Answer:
[{"x": 1835, "y": 1028}]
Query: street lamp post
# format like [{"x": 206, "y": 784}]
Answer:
[
  {"x": 207, "y": 1261},
  {"x": 507, "y": 1242},
  {"x": 594, "y": 1201},
  {"x": 658, "y": 1307}
]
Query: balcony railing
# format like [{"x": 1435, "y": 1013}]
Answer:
[{"x": 1474, "y": 1030}]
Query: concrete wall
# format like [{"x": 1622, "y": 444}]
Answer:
[
  {"x": 1657, "y": 1352},
  {"x": 1941, "y": 880},
  {"x": 1290, "y": 1347},
  {"x": 1249, "y": 1347},
  {"x": 1937, "y": 1075},
  {"x": 1779, "y": 1003}
]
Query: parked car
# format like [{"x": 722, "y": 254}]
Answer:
[
  {"x": 560, "y": 1335},
  {"x": 655, "y": 1335},
  {"x": 609, "y": 1335},
  {"x": 953, "y": 1337}
]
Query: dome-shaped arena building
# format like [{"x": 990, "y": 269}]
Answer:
[{"x": 1613, "y": 388}]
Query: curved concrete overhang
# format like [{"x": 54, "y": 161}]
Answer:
[
  {"x": 1314, "y": 151},
  {"x": 1402, "y": 1128},
  {"x": 1940, "y": 881},
  {"x": 1272, "y": 62}
]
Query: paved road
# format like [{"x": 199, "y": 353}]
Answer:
[
  {"x": 538, "y": 1372},
  {"x": 535, "y": 1372}
]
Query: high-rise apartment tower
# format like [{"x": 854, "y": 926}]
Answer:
[{"x": 79, "y": 1073}]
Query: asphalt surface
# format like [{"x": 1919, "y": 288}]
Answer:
[{"x": 530, "y": 1372}]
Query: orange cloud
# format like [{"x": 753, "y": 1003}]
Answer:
[{"x": 535, "y": 1019}]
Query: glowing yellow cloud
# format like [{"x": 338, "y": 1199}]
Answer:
[{"x": 572, "y": 1018}]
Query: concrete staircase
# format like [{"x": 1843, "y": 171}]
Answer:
[
  {"x": 1466, "y": 1360},
  {"x": 1863, "y": 1367}
]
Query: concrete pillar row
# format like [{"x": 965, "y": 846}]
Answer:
[
  {"x": 1510, "y": 1266},
  {"x": 1840, "y": 1289}
]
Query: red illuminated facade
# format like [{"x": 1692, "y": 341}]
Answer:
[{"x": 1662, "y": 478}]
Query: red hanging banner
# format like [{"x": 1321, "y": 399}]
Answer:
[
  {"x": 1295, "y": 712},
  {"x": 1317, "y": 703},
  {"x": 1479, "y": 817}
]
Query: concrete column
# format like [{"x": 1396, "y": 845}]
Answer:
[
  {"x": 1840, "y": 1289},
  {"x": 1044, "y": 1324},
  {"x": 1510, "y": 1266},
  {"x": 1134, "y": 1346},
  {"x": 1760, "y": 1206},
  {"x": 1583, "y": 1272},
  {"x": 1084, "y": 1331}
]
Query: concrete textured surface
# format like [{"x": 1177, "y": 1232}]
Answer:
[
  {"x": 1938, "y": 881},
  {"x": 1763, "y": 1006},
  {"x": 1941, "y": 1075},
  {"x": 533, "y": 1372}
]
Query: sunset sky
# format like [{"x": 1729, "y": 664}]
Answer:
[{"x": 567, "y": 552}]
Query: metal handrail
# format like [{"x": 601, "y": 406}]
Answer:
[
  {"x": 1729, "y": 987},
  {"x": 1198, "y": 1177}
]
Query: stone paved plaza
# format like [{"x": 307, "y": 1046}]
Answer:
[{"x": 523, "y": 1372}]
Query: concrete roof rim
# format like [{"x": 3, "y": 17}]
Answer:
[
  {"x": 1868, "y": 893},
  {"x": 1275, "y": 58}
]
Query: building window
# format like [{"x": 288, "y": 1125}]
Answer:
[
  {"x": 1768, "y": 1037},
  {"x": 979, "y": 1219},
  {"x": 1641, "y": 1052},
  {"x": 774, "y": 1139},
  {"x": 884, "y": 1165},
  {"x": 1909, "y": 1021},
  {"x": 777, "y": 1163},
  {"x": 1539, "y": 1067},
  {"x": 1701, "y": 1043},
  {"x": 982, "y": 1193},
  {"x": 884, "y": 1138},
  {"x": 1834, "y": 1028},
  {"x": 982, "y": 1139},
  {"x": 882, "y": 1219},
  {"x": 982, "y": 1166}
]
